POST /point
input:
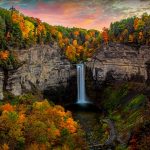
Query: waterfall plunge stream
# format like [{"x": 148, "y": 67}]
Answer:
[{"x": 81, "y": 99}]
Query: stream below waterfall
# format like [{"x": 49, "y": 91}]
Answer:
[{"x": 88, "y": 116}]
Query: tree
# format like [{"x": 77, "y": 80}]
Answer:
[
  {"x": 75, "y": 43},
  {"x": 2, "y": 33},
  {"x": 4, "y": 55},
  {"x": 59, "y": 36},
  {"x": 125, "y": 35},
  {"x": 131, "y": 38},
  {"x": 76, "y": 33},
  {"x": 16, "y": 38},
  {"x": 136, "y": 20},
  {"x": 105, "y": 35}
]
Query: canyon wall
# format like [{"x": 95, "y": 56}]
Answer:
[
  {"x": 120, "y": 62},
  {"x": 44, "y": 67}
]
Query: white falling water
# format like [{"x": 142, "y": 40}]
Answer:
[{"x": 81, "y": 84}]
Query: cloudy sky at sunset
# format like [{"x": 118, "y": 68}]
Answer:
[{"x": 89, "y": 14}]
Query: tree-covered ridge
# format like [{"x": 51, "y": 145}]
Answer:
[
  {"x": 131, "y": 30},
  {"x": 19, "y": 31}
]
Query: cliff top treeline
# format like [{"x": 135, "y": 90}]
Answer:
[{"x": 19, "y": 31}]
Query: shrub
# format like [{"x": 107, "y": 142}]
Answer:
[
  {"x": 135, "y": 103},
  {"x": 114, "y": 96}
]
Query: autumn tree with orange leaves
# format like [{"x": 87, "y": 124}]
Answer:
[
  {"x": 4, "y": 55},
  {"x": 105, "y": 35}
]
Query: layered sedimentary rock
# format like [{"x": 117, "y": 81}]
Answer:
[
  {"x": 44, "y": 66},
  {"x": 120, "y": 62}
]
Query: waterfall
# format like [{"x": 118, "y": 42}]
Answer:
[{"x": 81, "y": 84}]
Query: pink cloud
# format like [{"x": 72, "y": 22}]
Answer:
[
  {"x": 69, "y": 14},
  {"x": 80, "y": 13}
]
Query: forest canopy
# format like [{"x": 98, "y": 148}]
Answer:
[
  {"x": 30, "y": 123},
  {"x": 19, "y": 31}
]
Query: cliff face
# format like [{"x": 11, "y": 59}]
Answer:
[
  {"x": 45, "y": 67},
  {"x": 120, "y": 62}
]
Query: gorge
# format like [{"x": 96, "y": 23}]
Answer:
[
  {"x": 48, "y": 69},
  {"x": 72, "y": 88}
]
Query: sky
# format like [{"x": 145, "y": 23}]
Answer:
[{"x": 88, "y": 14}]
